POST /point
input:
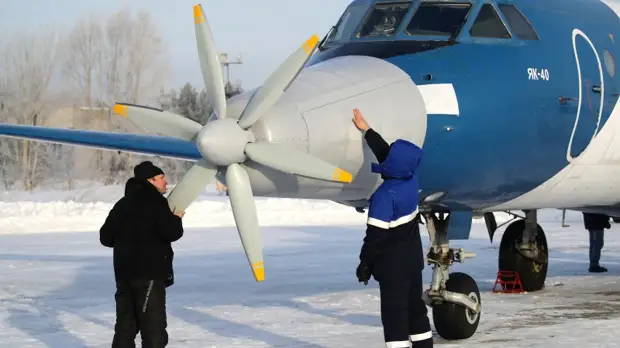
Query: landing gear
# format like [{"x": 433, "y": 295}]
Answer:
[
  {"x": 454, "y": 297},
  {"x": 524, "y": 249}
]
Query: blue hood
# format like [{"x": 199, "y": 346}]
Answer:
[{"x": 401, "y": 162}]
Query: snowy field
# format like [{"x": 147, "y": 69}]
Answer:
[{"x": 57, "y": 284}]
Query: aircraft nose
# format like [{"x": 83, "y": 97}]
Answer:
[{"x": 315, "y": 116}]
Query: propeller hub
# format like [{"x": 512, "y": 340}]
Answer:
[{"x": 222, "y": 142}]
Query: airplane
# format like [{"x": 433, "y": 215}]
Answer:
[{"x": 514, "y": 103}]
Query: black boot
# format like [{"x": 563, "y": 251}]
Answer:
[{"x": 597, "y": 269}]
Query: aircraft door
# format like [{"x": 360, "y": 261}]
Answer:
[{"x": 591, "y": 94}]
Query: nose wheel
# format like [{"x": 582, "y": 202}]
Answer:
[
  {"x": 454, "y": 297},
  {"x": 454, "y": 321}
]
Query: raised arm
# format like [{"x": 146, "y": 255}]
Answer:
[
  {"x": 376, "y": 143},
  {"x": 374, "y": 140}
]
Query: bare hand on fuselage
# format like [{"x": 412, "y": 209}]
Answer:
[
  {"x": 359, "y": 121},
  {"x": 178, "y": 213}
]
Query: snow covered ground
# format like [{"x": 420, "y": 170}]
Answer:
[{"x": 57, "y": 287}]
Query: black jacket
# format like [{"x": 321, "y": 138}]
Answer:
[
  {"x": 141, "y": 228},
  {"x": 596, "y": 221}
]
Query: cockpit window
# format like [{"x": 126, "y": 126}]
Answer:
[
  {"x": 488, "y": 24},
  {"x": 384, "y": 20},
  {"x": 438, "y": 19},
  {"x": 347, "y": 23},
  {"x": 519, "y": 24}
]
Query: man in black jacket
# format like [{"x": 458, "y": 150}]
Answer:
[
  {"x": 140, "y": 228},
  {"x": 392, "y": 249},
  {"x": 596, "y": 225}
]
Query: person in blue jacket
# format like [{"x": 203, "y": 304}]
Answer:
[{"x": 392, "y": 250}]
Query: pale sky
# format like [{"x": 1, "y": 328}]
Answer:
[{"x": 239, "y": 26}]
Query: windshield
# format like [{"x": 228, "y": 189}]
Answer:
[
  {"x": 347, "y": 23},
  {"x": 384, "y": 20},
  {"x": 438, "y": 19}
]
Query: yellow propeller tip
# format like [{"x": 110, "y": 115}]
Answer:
[
  {"x": 342, "y": 175},
  {"x": 259, "y": 275},
  {"x": 311, "y": 43},
  {"x": 120, "y": 110},
  {"x": 259, "y": 271},
  {"x": 198, "y": 16}
]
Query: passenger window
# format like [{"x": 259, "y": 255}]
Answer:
[
  {"x": 519, "y": 24},
  {"x": 488, "y": 24},
  {"x": 384, "y": 20},
  {"x": 438, "y": 19}
]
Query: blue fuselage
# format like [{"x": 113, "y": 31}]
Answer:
[{"x": 518, "y": 99}]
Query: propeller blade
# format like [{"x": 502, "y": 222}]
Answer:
[
  {"x": 190, "y": 186},
  {"x": 292, "y": 161},
  {"x": 244, "y": 211},
  {"x": 158, "y": 121},
  {"x": 277, "y": 84},
  {"x": 209, "y": 63}
]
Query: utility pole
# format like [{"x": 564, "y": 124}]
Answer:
[{"x": 229, "y": 89}]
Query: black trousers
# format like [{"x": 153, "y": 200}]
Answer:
[
  {"x": 140, "y": 307},
  {"x": 403, "y": 312}
]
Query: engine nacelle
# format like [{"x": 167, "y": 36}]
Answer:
[{"x": 315, "y": 115}]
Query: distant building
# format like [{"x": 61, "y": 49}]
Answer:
[
  {"x": 84, "y": 160},
  {"x": 80, "y": 118}
]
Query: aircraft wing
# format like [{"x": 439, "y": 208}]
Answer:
[{"x": 127, "y": 142}]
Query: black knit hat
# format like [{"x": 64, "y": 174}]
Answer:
[{"x": 146, "y": 170}]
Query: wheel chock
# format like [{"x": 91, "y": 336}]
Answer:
[{"x": 509, "y": 282}]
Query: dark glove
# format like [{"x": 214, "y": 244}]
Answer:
[
  {"x": 363, "y": 273},
  {"x": 169, "y": 280}
]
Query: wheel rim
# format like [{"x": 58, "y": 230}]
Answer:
[{"x": 470, "y": 315}]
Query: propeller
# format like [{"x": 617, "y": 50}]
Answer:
[
  {"x": 226, "y": 143},
  {"x": 158, "y": 121}
]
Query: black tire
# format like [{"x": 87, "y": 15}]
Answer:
[
  {"x": 533, "y": 274},
  {"x": 454, "y": 321}
]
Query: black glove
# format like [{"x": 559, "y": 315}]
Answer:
[
  {"x": 363, "y": 273},
  {"x": 169, "y": 280}
]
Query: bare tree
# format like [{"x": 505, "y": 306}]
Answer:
[
  {"x": 105, "y": 60},
  {"x": 28, "y": 63},
  {"x": 136, "y": 66},
  {"x": 121, "y": 58},
  {"x": 83, "y": 50},
  {"x": 134, "y": 61},
  {"x": 148, "y": 61},
  {"x": 84, "y": 46}
]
